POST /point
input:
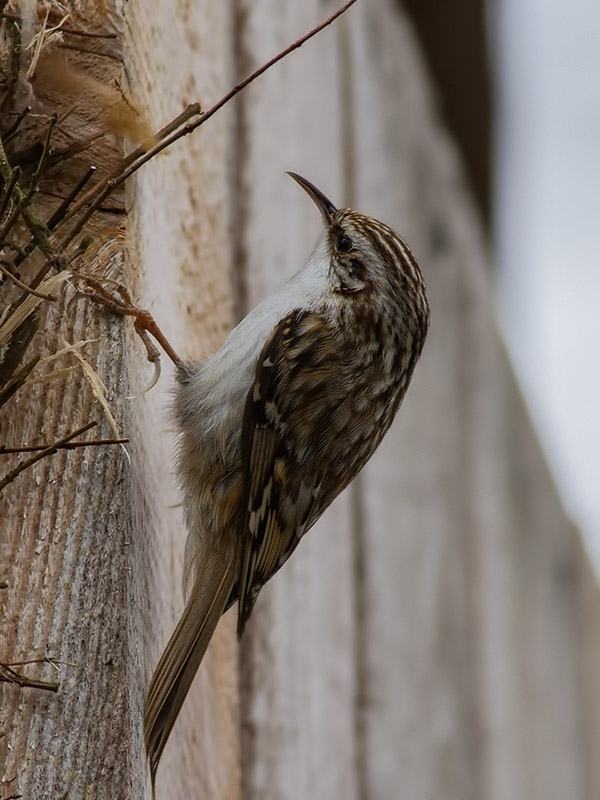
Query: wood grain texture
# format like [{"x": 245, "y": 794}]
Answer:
[
  {"x": 297, "y": 657},
  {"x": 461, "y": 631},
  {"x": 180, "y": 235},
  {"x": 471, "y": 620},
  {"x": 421, "y": 737},
  {"x": 67, "y": 544}
]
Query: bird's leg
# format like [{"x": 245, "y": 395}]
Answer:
[{"x": 118, "y": 300}]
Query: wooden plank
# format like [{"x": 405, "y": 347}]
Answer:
[
  {"x": 297, "y": 665},
  {"x": 95, "y": 544},
  {"x": 420, "y": 733},
  {"x": 68, "y": 543},
  {"x": 532, "y": 658},
  {"x": 470, "y": 632},
  {"x": 180, "y": 234}
]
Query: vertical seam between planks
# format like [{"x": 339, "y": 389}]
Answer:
[
  {"x": 239, "y": 286},
  {"x": 239, "y": 153},
  {"x": 349, "y": 192}
]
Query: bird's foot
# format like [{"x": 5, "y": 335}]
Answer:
[{"x": 115, "y": 296}]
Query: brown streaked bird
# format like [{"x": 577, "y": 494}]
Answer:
[{"x": 279, "y": 421}]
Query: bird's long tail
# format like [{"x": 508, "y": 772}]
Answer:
[{"x": 178, "y": 664}]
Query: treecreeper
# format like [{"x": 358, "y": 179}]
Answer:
[{"x": 278, "y": 422}]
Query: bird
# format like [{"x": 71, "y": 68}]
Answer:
[{"x": 278, "y": 422}]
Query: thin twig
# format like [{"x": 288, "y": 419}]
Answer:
[
  {"x": 189, "y": 111},
  {"x": 38, "y": 229},
  {"x": 75, "y": 149},
  {"x": 20, "y": 284},
  {"x": 17, "y": 314},
  {"x": 37, "y": 42},
  {"x": 13, "y": 129},
  {"x": 64, "y": 206},
  {"x": 18, "y": 377},
  {"x": 54, "y": 662},
  {"x": 73, "y": 32},
  {"x": 46, "y": 452},
  {"x": 43, "y": 158},
  {"x": 9, "y": 222},
  {"x": 51, "y": 224},
  {"x": 16, "y": 174},
  {"x": 4, "y": 451},
  {"x": 108, "y": 185},
  {"x": 10, "y": 676},
  {"x": 174, "y": 130}
]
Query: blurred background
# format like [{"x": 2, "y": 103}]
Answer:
[
  {"x": 518, "y": 83},
  {"x": 546, "y": 231}
]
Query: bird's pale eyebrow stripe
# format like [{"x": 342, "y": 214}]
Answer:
[
  {"x": 407, "y": 257},
  {"x": 392, "y": 247}
]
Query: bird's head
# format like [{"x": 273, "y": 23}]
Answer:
[{"x": 364, "y": 253}]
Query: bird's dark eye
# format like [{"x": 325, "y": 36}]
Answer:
[{"x": 344, "y": 243}]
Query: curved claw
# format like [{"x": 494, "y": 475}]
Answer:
[
  {"x": 77, "y": 296},
  {"x": 152, "y": 383}
]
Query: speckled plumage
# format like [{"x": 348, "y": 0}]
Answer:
[{"x": 279, "y": 421}]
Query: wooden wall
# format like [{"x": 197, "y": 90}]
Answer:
[{"x": 436, "y": 633}]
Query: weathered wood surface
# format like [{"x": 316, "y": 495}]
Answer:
[
  {"x": 436, "y": 634},
  {"x": 180, "y": 236},
  {"x": 68, "y": 539}
]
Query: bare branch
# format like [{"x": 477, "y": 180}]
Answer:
[
  {"x": 38, "y": 229},
  {"x": 4, "y": 451},
  {"x": 9, "y": 675},
  {"x": 10, "y": 185},
  {"x": 15, "y": 126},
  {"x": 46, "y": 452},
  {"x": 20, "y": 284},
  {"x": 43, "y": 158}
]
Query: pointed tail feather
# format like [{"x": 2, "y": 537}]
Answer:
[{"x": 178, "y": 664}]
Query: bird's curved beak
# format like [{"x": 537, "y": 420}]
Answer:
[{"x": 324, "y": 205}]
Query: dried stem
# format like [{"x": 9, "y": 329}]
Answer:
[
  {"x": 60, "y": 212},
  {"x": 74, "y": 32},
  {"x": 9, "y": 675},
  {"x": 9, "y": 222},
  {"x": 4, "y": 451},
  {"x": 98, "y": 193},
  {"x": 16, "y": 174},
  {"x": 38, "y": 229},
  {"x": 43, "y": 158},
  {"x": 20, "y": 284},
  {"x": 46, "y": 452},
  {"x": 52, "y": 223},
  {"x": 54, "y": 662},
  {"x": 14, "y": 128}
]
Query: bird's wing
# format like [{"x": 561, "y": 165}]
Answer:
[{"x": 285, "y": 420}]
